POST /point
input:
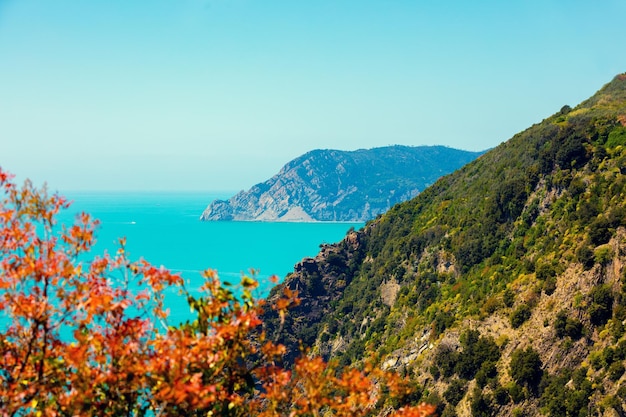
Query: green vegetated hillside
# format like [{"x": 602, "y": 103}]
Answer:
[{"x": 501, "y": 289}]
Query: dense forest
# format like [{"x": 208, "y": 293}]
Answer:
[{"x": 499, "y": 290}]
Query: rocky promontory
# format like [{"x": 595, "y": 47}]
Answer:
[{"x": 333, "y": 185}]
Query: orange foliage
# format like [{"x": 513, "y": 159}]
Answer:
[{"x": 82, "y": 338}]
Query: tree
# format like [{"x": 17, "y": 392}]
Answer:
[
  {"x": 566, "y": 326},
  {"x": 520, "y": 315},
  {"x": 525, "y": 366},
  {"x": 601, "y": 306},
  {"x": 83, "y": 338}
]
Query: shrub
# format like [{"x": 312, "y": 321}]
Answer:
[
  {"x": 601, "y": 306},
  {"x": 571, "y": 153},
  {"x": 560, "y": 399},
  {"x": 565, "y": 326},
  {"x": 501, "y": 395},
  {"x": 525, "y": 366},
  {"x": 599, "y": 231},
  {"x": 487, "y": 371},
  {"x": 516, "y": 393},
  {"x": 491, "y": 305},
  {"x": 549, "y": 285},
  {"x": 455, "y": 392},
  {"x": 603, "y": 254},
  {"x": 545, "y": 271},
  {"x": 508, "y": 297},
  {"x": 615, "y": 371},
  {"x": 443, "y": 320},
  {"x": 478, "y": 353},
  {"x": 617, "y": 137},
  {"x": 585, "y": 256},
  {"x": 446, "y": 359},
  {"x": 480, "y": 404},
  {"x": 520, "y": 315}
]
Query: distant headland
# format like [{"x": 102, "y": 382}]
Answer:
[{"x": 334, "y": 185}]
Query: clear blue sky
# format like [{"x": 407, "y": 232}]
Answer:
[{"x": 219, "y": 94}]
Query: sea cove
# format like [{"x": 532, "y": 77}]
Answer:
[{"x": 164, "y": 228}]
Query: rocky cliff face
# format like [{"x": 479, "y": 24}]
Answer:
[{"x": 331, "y": 185}]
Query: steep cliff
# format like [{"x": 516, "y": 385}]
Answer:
[
  {"x": 501, "y": 289},
  {"x": 331, "y": 185}
]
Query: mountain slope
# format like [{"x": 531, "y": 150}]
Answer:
[
  {"x": 331, "y": 185},
  {"x": 501, "y": 289}
]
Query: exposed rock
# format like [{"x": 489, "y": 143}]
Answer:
[{"x": 389, "y": 292}]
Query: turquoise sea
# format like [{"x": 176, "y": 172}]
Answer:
[{"x": 164, "y": 229}]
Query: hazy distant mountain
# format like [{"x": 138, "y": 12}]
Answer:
[{"x": 332, "y": 185}]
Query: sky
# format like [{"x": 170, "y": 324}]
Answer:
[{"x": 196, "y": 95}]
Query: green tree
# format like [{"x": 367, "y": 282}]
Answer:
[
  {"x": 525, "y": 366},
  {"x": 566, "y": 326},
  {"x": 601, "y": 306},
  {"x": 520, "y": 315}
]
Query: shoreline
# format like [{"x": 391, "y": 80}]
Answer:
[{"x": 287, "y": 221}]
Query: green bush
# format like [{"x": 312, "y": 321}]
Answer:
[
  {"x": 600, "y": 308},
  {"x": 525, "y": 366},
  {"x": 516, "y": 393},
  {"x": 603, "y": 254},
  {"x": 549, "y": 285},
  {"x": 520, "y": 315},
  {"x": 443, "y": 320},
  {"x": 608, "y": 356},
  {"x": 486, "y": 372},
  {"x": 599, "y": 231},
  {"x": 480, "y": 404},
  {"x": 501, "y": 395},
  {"x": 446, "y": 359},
  {"x": 584, "y": 254},
  {"x": 559, "y": 399},
  {"x": 455, "y": 392},
  {"x": 617, "y": 137},
  {"x": 477, "y": 352},
  {"x": 545, "y": 271},
  {"x": 435, "y": 372},
  {"x": 615, "y": 371},
  {"x": 565, "y": 326},
  {"x": 508, "y": 297}
]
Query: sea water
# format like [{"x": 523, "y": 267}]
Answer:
[{"x": 164, "y": 229}]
